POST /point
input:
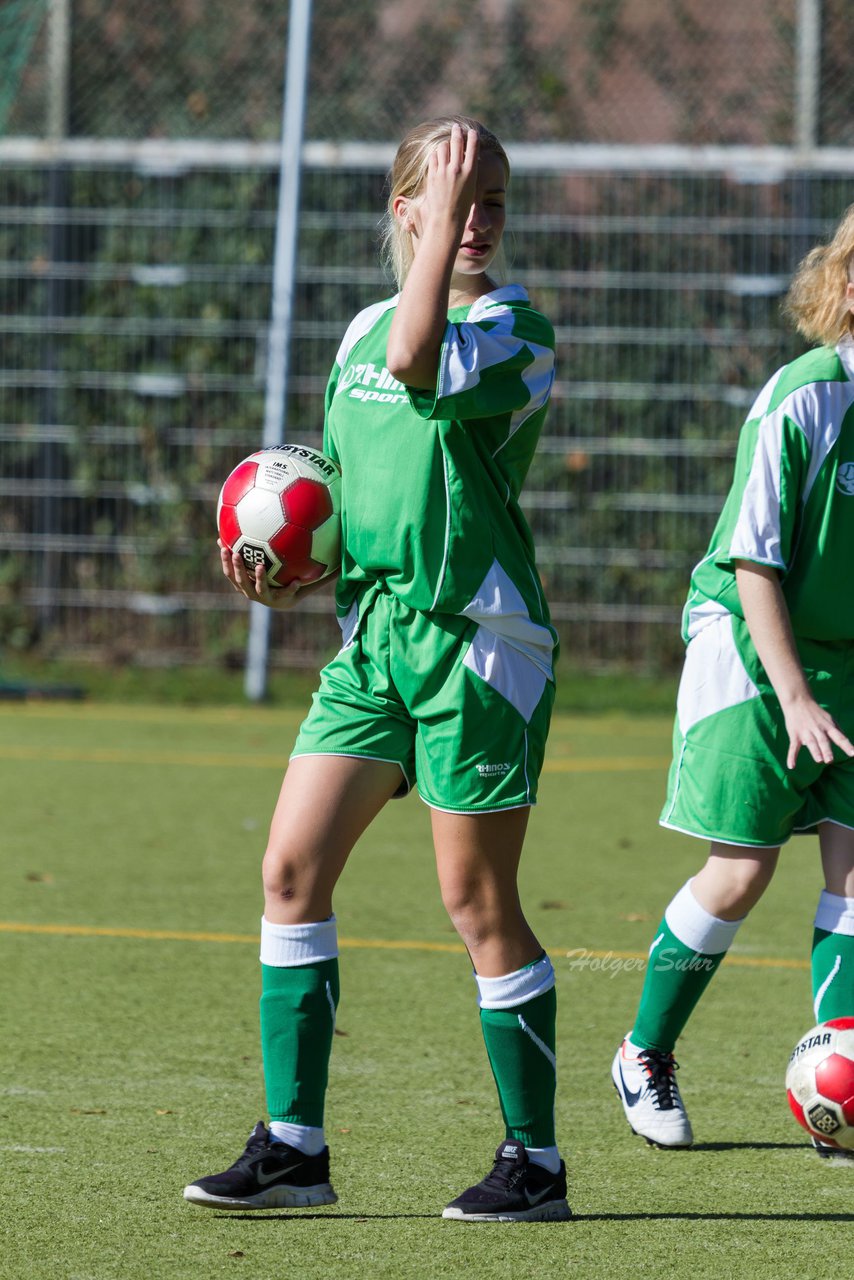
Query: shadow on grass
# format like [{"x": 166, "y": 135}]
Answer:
[
  {"x": 294, "y": 1215},
  {"x": 640, "y": 1216},
  {"x": 713, "y": 1217}
]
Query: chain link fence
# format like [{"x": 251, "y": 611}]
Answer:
[
  {"x": 135, "y": 289},
  {"x": 620, "y": 71}
]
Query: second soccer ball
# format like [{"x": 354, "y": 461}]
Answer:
[{"x": 820, "y": 1082}]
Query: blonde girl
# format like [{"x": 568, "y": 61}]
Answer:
[
  {"x": 444, "y": 682},
  {"x": 765, "y": 710}
]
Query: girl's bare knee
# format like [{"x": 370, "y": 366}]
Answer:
[
  {"x": 279, "y": 877},
  {"x": 730, "y": 884}
]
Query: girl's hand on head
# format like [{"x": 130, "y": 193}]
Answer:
[
  {"x": 254, "y": 586},
  {"x": 449, "y": 188}
]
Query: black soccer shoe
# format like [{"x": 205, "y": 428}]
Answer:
[
  {"x": 269, "y": 1175},
  {"x": 516, "y": 1190}
]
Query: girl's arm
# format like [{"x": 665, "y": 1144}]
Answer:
[
  {"x": 439, "y": 219},
  {"x": 807, "y": 724}
]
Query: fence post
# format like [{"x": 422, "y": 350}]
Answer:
[
  {"x": 807, "y": 75},
  {"x": 53, "y": 455},
  {"x": 284, "y": 274}
]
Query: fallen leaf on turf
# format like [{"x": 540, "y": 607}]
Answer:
[
  {"x": 236, "y": 1253},
  {"x": 39, "y": 877},
  {"x": 160, "y": 1112},
  {"x": 88, "y": 1111}
]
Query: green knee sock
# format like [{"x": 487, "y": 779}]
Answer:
[
  {"x": 833, "y": 957},
  {"x": 298, "y": 1006},
  {"x": 683, "y": 959},
  {"x": 832, "y": 975},
  {"x": 676, "y": 977},
  {"x": 520, "y": 1043}
]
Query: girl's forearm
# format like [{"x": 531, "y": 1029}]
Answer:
[
  {"x": 418, "y": 326},
  {"x": 770, "y": 628}
]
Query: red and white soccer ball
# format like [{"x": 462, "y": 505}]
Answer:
[
  {"x": 280, "y": 507},
  {"x": 820, "y": 1082}
]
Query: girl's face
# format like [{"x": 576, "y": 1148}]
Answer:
[
  {"x": 484, "y": 225},
  {"x": 485, "y": 222}
]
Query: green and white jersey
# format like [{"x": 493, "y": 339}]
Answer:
[
  {"x": 791, "y": 504},
  {"x": 431, "y": 479}
]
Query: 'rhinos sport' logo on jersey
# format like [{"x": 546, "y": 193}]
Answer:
[
  {"x": 367, "y": 382},
  {"x": 845, "y": 478}
]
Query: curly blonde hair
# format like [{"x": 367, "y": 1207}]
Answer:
[
  {"x": 816, "y": 302},
  {"x": 407, "y": 176}
]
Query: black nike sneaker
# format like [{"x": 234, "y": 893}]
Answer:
[
  {"x": 516, "y": 1190},
  {"x": 269, "y": 1175}
]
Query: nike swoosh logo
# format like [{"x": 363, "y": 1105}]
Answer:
[
  {"x": 263, "y": 1178},
  {"x": 631, "y": 1095},
  {"x": 535, "y": 1199}
]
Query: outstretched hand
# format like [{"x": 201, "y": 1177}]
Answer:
[
  {"x": 767, "y": 617},
  {"x": 809, "y": 725}
]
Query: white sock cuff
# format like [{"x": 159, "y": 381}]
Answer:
[
  {"x": 695, "y": 927},
  {"x": 546, "y": 1157},
  {"x": 515, "y": 988},
  {"x": 305, "y": 1138},
  {"x": 284, "y": 946},
  {"x": 835, "y": 914}
]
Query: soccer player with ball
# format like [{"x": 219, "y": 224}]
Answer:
[
  {"x": 445, "y": 679},
  {"x": 765, "y": 709}
]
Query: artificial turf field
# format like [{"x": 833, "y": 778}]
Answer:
[{"x": 129, "y": 911}]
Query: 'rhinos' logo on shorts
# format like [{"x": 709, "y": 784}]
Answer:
[{"x": 845, "y": 478}]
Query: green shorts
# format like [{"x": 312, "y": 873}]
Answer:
[
  {"x": 464, "y": 714},
  {"x": 728, "y": 780}
]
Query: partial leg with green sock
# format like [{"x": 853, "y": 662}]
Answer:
[
  {"x": 287, "y": 1164},
  {"x": 298, "y": 1004},
  {"x": 833, "y": 958},
  {"x": 520, "y": 1043},
  {"x": 528, "y": 1179},
  {"x": 833, "y": 977}
]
